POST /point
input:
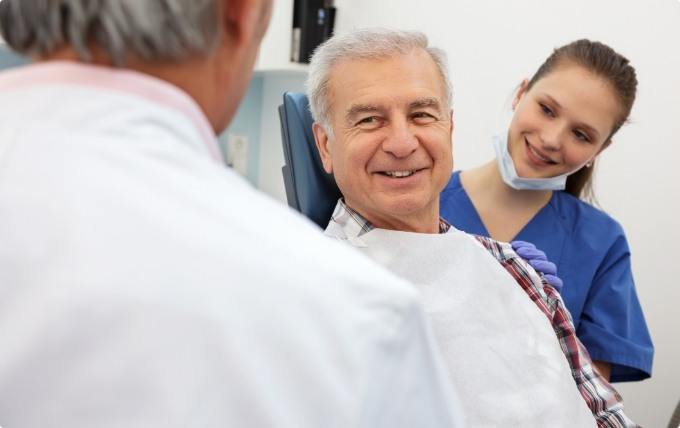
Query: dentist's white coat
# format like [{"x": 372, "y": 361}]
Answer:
[{"x": 142, "y": 284}]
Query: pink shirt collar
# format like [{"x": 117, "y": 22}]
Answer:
[{"x": 138, "y": 84}]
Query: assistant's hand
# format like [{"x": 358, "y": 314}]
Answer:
[{"x": 538, "y": 260}]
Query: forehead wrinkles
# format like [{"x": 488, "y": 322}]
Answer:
[{"x": 422, "y": 82}]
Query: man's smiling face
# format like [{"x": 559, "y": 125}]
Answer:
[{"x": 390, "y": 149}]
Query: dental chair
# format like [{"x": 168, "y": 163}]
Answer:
[
  {"x": 309, "y": 189},
  {"x": 675, "y": 419}
]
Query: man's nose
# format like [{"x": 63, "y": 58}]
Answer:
[{"x": 401, "y": 140}]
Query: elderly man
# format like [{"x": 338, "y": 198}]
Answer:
[
  {"x": 142, "y": 284},
  {"x": 381, "y": 103}
]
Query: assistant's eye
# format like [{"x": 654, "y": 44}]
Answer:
[
  {"x": 546, "y": 110},
  {"x": 581, "y": 136}
]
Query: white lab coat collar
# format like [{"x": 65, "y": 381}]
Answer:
[{"x": 124, "y": 81}]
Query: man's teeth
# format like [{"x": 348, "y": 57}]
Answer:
[{"x": 399, "y": 174}]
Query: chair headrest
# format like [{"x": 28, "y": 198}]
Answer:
[{"x": 314, "y": 192}]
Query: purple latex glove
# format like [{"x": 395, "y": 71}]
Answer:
[{"x": 538, "y": 260}]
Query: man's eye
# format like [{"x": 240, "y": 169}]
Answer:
[
  {"x": 423, "y": 117},
  {"x": 371, "y": 120},
  {"x": 546, "y": 110}
]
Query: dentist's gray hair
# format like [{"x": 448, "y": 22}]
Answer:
[
  {"x": 369, "y": 43},
  {"x": 151, "y": 29}
]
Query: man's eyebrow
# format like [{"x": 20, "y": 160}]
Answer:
[
  {"x": 425, "y": 103},
  {"x": 357, "y": 109}
]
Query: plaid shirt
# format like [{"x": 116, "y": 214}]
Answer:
[
  {"x": 357, "y": 225},
  {"x": 604, "y": 402}
]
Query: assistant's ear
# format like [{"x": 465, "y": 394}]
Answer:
[
  {"x": 604, "y": 146},
  {"x": 519, "y": 94},
  {"x": 323, "y": 144}
]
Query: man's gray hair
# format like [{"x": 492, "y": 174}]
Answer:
[
  {"x": 150, "y": 29},
  {"x": 370, "y": 43}
]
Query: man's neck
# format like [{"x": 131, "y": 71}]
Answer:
[{"x": 425, "y": 221}]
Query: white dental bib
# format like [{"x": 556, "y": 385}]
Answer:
[{"x": 501, "y": 351}]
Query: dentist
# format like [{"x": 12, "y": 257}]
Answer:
[{"x": 143, "y": 283}]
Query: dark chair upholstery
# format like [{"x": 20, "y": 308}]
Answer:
[
  {"x": 309, "y": 189},
  {"x": 675, "y": 418}
]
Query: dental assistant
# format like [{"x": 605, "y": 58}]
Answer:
[{"x": 564, "y": 117}]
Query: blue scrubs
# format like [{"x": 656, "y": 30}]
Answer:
[{"x": 593, "y": 259}]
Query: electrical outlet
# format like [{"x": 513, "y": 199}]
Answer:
[{"x": 237, "y": 153}]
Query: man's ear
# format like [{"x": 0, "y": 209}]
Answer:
[
  {"x": 323, "y": 144},
  {"x": 521, "y": 90},
  {"x": 453, "y": 125},
  {"x": 245, "y": 20}
]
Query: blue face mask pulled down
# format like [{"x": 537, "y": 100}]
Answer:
[{"x": 509, "y": 173}]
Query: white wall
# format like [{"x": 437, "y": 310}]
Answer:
[
  {"x": 275, "y": 48},
  {"x": 493, "y": 44}
]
